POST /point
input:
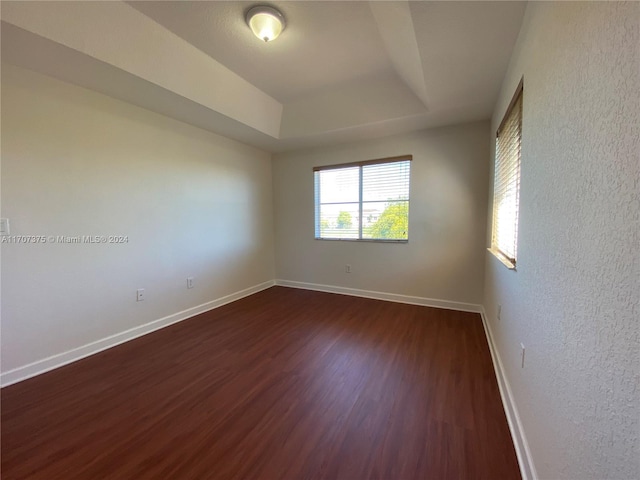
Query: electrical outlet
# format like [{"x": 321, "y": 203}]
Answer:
[
  {"x": 522, "y": 355},
  {"x": 140, "y": 295},
  {"x": 189, "y": 282},
  {"x": 347, "y": 268},
  {"x": 499, "y": 312}
]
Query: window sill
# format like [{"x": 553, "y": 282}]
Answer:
[
  {"x": 504, "y": 260},
  {"x": 368, "y": 240}
]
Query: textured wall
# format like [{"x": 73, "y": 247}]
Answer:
[
  {"x": 573, "y": 301},
  {"x": 444, "y": 256},
  {"x": 75, "y": 162}
]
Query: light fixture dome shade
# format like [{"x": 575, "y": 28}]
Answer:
[{"x": 265, "y": 22}]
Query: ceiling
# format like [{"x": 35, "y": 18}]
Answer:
[
  {"x": 324, "y": 44},
  {"x": 340, "y": 71}
]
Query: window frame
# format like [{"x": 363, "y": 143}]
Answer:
[
  {"x": 498, "y": 250},
  {"x": 360, "y": 164}
]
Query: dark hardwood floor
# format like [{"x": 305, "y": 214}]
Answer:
[{"x": 282, "y": 384}]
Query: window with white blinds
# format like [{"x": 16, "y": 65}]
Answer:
[
  {"x": 506, "y": 187},
  {"x": 363, "y": 200}
]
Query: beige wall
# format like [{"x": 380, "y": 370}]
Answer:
[
  {"x": 573, "y": 300},
  {"x": 444, "y": 257},
  {"x": 75, "y": 162}
]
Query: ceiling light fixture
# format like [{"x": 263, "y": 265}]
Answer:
[{"x": 265, "y": 22}]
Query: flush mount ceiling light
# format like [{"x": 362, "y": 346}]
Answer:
[{"x": 265, "y": 22}]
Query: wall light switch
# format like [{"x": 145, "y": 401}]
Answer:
[{"x": 4, "y": 226}]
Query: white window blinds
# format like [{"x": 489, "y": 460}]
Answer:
[
  {"x": 506, "y": 193},
  {"x": 363, "y": 200}
]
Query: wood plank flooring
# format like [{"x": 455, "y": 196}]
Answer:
[{"x": 285, "y": 383}]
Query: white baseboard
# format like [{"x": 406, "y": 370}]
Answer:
[
  {"x": 527, "y": 468},
  {"x": 391, "y": 297},
  {"x": 41, "y": 366}
]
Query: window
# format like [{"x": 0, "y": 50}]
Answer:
[
  {"x": 363, "y": 200},
  {"x": 506, "y": 186}
]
